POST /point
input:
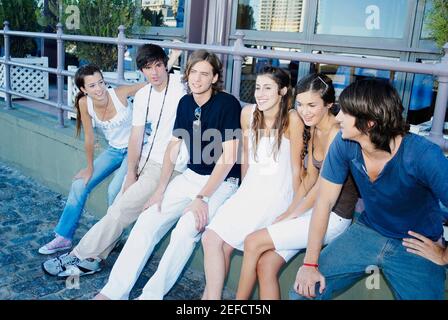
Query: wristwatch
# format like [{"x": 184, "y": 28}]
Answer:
[{"x": 203, "y": 198}]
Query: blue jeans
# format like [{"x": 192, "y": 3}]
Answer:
[
  {"x": 107, "y": 162},
  {"x": 345, "y": 261}
]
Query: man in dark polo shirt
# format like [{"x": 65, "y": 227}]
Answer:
[{"x": 208, "y": 122}]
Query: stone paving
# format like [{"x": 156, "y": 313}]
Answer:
[{"x": 28, "y": 214}]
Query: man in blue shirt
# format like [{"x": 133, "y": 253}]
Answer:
[{"x": 401, "y": 178}]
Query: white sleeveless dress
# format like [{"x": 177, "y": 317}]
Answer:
[{"x": 265, "y": 192}]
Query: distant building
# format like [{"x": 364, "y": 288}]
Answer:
[
  {"x": 157, "y": 6},
  {"x": 382, "y": 29},
  {"x": 280, "y": 15}
]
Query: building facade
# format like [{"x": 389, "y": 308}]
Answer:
[{"x": 383, "y": 29}]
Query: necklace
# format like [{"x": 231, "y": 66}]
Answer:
[
  {"x": 102, "y": 118},
  {"x": 105, "y": 109},
  {"x": 158, "y": 122}
]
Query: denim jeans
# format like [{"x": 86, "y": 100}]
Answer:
[
  {"x": 107, "y": 162},
  {"x": 345, "y": 261}
]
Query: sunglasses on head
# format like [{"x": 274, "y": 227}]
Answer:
[{"x": 322, "y": 80}]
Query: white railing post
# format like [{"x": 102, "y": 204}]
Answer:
[
  {"x": 60, "y": 77},
  {"x": 237, "y": 64},
  {"x": 438, "y": 120},
  {"x": 121, "y": 50},
  {"x": 7, "y": 66}
]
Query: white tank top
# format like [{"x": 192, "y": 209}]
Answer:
[
  {"x": 117, "y": 129},
  {"x": 265, "y": 168}
]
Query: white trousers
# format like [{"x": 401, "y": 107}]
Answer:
[
  {"x": 291, "y": 236},
  {"x": 150, "y": 228}
]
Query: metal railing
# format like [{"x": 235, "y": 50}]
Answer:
[{"x": 238, "y": 51}]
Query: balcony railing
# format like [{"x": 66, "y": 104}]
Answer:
[{"x": 238, "y": 51}]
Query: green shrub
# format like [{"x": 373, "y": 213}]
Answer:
[
  {"x": 102, "y": 18},
  {"x": 438, "y": 22},
  {"x": 21, "y": 15},
  {"x": 99, "y": 18}
]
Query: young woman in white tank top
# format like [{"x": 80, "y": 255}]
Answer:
[
  {"x": 270, "y": 170},
  {"x": 108, "y": 110}
]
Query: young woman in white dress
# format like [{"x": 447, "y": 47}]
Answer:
[
  {"x": 271, "y": 166},
  {"x": 268, "y": 249}
]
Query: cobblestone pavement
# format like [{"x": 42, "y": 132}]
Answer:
[{"x": 28, "y": 214}]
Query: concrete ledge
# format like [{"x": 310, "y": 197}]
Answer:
[{"x": 30, "y": 140}]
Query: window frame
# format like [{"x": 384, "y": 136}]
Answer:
[
  {"x": 309, "y": 37},
  {"x": 257, "y": 35},
  {"x": 163, "y": 32},
  {"x": 370, "y": 41}
]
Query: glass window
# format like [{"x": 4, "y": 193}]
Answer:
[
  {"x": 131, "y": 53},
  {"x": 426, "y": 34},
  {"x": 423, "y": 94},
  {"x": 163, "y": 13},
  {"x": 342, "y": 76},
  {"x": 252, "y": 65},
  {"x": 363, "y": 18},
  {"x": 271, "y": 15}
]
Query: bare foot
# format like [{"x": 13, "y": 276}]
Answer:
[{"x": 100, "y": 296}]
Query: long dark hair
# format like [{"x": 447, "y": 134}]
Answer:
[
  {"x": 375, "y": 101},
  {"x": 283, "y": 80},
  {"x": 81, "y": 73},
  {"x": 321, "y": 84}
]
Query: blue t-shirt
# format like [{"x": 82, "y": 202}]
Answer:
[
  {"x": 405, "y": 196},
  {"x": 220, "y": 122}
]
